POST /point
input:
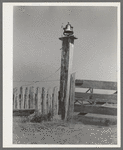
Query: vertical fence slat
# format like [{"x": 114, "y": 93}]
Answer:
[
  {"x": 22, "y": 97},
  {"x": 44, "y": 100},
  {"x": 18, "y": 99},
  {"x": 38, "y": 108},
  {"x": 14, "y": 97},
  {"x": 55, "y": 101},
  {"x": 49, "y": 101},
  {"x": 32, "y": 97},
  {"x": 71, "y": 97},
  {"x": 26, "y": 98}
]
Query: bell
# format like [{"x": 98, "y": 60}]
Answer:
[{"x": 68, "y": 30}]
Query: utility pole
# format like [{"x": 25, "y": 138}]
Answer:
[{"x": 66, "y": 68}]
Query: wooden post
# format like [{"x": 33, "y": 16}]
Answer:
[
  {"x": 44, "y": 100},
  {"x": 71, "y": 97},
  {"x": 27, "y": 103},
  {"x": 55, "y": 101},
  {"x": 50, "y": 96},
  {"x": 17, "y": 99},
  {"x": 38, "y": 108},
  {"x": 66, "y": 69},
  {"x": 14, "y": 97},
  {"x": 32, "y": 97},
  {"x": 22, "y": 97},
  {"x": 49, "y": 100}
]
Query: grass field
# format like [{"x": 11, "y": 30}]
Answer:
[{"x": 60, "y": 132}]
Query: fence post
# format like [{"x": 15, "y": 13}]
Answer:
[
  {"x": 50, "y": 101},
  {"x": 14, "y": 98},
  {"x": 32, "y": 97},
  {"x": 27, "y": 101},
  {"x": 38, "y": 108},
  {"x": 17, "y": 99},
  {"x": 44, "y": 100},
  {"x": 55, "y": 101},
  {"x": 71, "y": 97},
  {"x": 26, "y": 97},
  {"x": 22, "y": 97}
]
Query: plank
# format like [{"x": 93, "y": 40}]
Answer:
[
  {"x": 72, "y": 97},
  {"x": 55, "y": 101},
  {"x": 49, "y": 98},
  {"x": 17, "y": 99},
  {"x": 96, "y": 100},
  {"x": 14, "y": 98},
  {"x": 26, "y": 98},
  {"x": 32, "y": 97},
  {"x": 22, "y": 96},
  {"x": 95, "y": 97},
  {"x": 44, "y": 100},
  {"x": 96, "y": 84},
  {"x": 95, "y": 109},
  {"x": 38, "y": 107}
]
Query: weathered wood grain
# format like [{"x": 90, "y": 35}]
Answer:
[
  {"x": 38, "y": 108},
  {"x": 96, "y": 97},
  {"x": 26, "y": 98},
  {"x": 71, "y": 97},
  {"x": 55, "y": 101},
  {"x": 14, "y": 98},
  {"x": 66, "y": 68},
  {"x": 49, "y": 92},
  {"x": 22, "y": 97},
  {"x": 95, "y": 109},
  {"x": 44, "y": 100},
  {"x": 81, "y": 100}
]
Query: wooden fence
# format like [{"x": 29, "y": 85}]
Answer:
[
  {"x": 95, "y": 102},
  {"x": 90, "y": 102},
  {"x": 29, "y": 99}
]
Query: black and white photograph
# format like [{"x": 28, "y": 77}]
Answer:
[{"x": 61, "y": 75}]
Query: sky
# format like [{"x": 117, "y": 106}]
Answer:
[{"x": 36, "y": 44}]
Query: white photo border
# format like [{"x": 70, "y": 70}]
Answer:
[{"x": 7, "y": 36}]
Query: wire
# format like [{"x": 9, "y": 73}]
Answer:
[
  {"x": 41, "y": 80},
  {"x": 37, "y": 81},
  {"x": 52, "y": 74}
]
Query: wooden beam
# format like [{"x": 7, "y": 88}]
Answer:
[
  {"x": 96, "y": 100},
  {"x": 95, "y": 109},
  {"x": 71, "y": 97},
  {"x": 96, "y": 97},
  {"x": 96, "y": 84},
  {"x": 66, "y": 69}
]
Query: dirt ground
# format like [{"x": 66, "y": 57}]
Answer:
[{"x": 59, "y": 132}]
